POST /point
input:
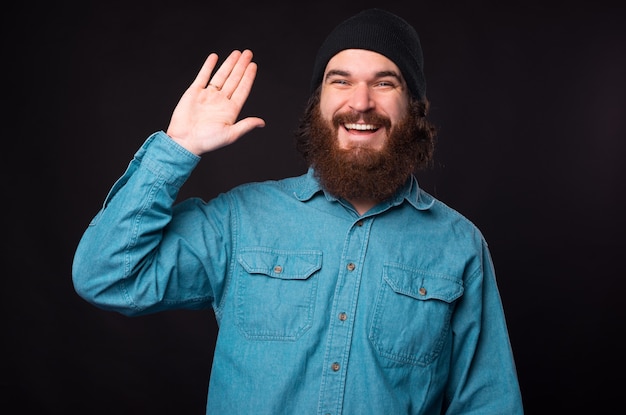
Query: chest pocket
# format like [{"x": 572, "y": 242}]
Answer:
[
  {"x": 412, "y": 314},
  {"x": 276, "y": 289}
]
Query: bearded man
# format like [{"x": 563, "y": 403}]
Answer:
[{"x": 346, "y": 290}]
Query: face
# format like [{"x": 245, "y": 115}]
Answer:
[
  {"x": 363, "y": 95},
  {"x": 361, "y": 133}
]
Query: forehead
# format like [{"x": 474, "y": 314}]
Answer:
[{"x": 361, "y": 61}]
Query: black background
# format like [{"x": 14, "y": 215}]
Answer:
[{"x": 529, "y": 98}]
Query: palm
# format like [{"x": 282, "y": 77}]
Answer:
[{"x": 205, "y": 118}]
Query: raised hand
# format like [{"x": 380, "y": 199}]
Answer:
[{"x": 205, "y": 118}]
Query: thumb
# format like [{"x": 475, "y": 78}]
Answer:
[{"x": 246, "y": 125}]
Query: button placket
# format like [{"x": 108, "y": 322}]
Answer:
[{"x": 341, "y": 327}]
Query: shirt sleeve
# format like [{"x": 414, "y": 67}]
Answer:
[
  {"x": 135, "y": 257},
  {"x": 483, "y": 378}
]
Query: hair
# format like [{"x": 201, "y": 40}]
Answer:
[{"x": 425, "y": 130}]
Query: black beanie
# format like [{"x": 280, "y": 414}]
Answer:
[{"x": 379, "y": 31}]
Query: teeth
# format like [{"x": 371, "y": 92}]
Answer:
[{"x": 361, "y": 127}]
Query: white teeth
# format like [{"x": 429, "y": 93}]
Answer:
[{"x": 361, "y": 127}]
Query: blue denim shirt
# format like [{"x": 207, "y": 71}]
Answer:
[{"x": 320, "y": 310}]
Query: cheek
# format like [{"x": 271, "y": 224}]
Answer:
[
  {"x": 329, "y": 106},
  {"x": 397, "y": 113},
  {"x": 326, "y": 114}
]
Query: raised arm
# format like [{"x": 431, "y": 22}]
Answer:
[
  {"x": 205, "y": 118},
  {"x": 137, "y": 256}
]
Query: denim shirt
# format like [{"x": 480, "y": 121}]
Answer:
[{"x": 320, "y": 310}]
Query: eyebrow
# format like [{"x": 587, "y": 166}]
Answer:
[{"x": 381, "y": 74}]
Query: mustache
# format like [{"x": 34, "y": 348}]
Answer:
[{"x": 367, "y": 118}]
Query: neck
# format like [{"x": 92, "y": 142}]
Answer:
[{"x": 362, "y": 205}]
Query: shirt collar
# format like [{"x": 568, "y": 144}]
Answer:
[{"x": 410, "y": 191}]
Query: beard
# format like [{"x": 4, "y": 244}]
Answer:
[{"x": 361, "y": 172}]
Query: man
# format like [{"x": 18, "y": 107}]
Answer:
[{"x": 347, "y": 290}]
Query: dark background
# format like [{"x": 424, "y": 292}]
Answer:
[{"x": 529, "y": 98}]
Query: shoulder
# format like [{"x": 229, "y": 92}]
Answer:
[
  {"x": 445, "y": 215},
  {"x": 288, "y": 186}
]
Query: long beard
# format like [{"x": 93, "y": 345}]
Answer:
[{"x": 362, "y": 172}]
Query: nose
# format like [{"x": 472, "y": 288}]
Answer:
[{"x": 361, "y": 98}]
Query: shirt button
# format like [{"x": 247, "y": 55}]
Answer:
[
  {"x": 351, "y": 266},
  {"x": 359, "y": 223},
  {"x": 335, "y": 366},
  {"x": 422, "y": 291},
  {"x": 278, "y": 269},
  {"x": 343, "y": 316}
]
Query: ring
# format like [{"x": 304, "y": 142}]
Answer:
[{"x": 214, "y": 86}]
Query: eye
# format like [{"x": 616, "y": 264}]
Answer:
[{"x": 385, "y": 84}]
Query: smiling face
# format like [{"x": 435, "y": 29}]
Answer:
[
  {"x": 360, "y": 131},
  {"x": 363, "y": 96}
]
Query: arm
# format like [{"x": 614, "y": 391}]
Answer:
[
  {"x": 483, "y": 378},
  {"x": 140, "y": 254}
]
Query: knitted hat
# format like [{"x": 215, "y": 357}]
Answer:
[{"x": 379, "y": 31}]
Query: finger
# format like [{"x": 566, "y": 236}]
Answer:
[
  {"x": 222, "y": 73},
  {"x": 205, "y": 71},
  {"x": 244, "y": 126},
  {"x": 234, "y": 78},
  {"x": 240, "y": 94}
]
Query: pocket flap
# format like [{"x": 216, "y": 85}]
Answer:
[
  {"x": 422, "y": 285},
  {"x": 283, "y": 264}
]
